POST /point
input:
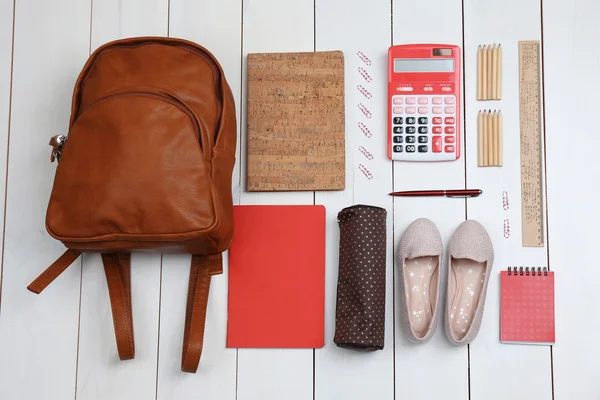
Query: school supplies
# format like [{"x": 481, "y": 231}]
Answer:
[
  {"x": 527, "y": 306},
  {"x": 424, "y": 102},
  {"x": 489, "y": 138},
  {"x": 434, "y": 193},
  {"x": 489, "y": 72},
  {"x": 277, "y": 277},
  {"x": 296, "y": 138},
  {"x": 360, "y": 304},
  {"x": 531, "y": 143}
]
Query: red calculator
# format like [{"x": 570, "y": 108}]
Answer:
[{"x": 424, "y": 102}]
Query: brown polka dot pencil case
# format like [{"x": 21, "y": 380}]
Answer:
[{"x": 360, "y": 306}]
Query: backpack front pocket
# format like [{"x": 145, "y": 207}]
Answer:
[{"x": 133, "y": 168}]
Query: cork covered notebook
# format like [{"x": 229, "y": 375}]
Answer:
[{"x": 296, "y": 121}]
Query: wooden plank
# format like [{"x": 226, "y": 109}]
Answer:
[
  {"x": 114, "y": 19},
  {"x": 342, "y": 373},
  {"x": 414, "y": 22},
  {"x": 104, "y": 375},
  {"x": 526, "y": 367},
  {"x": 216, "y": 26},
  {"x": 38, "y": 334},
  {"x": 274, "y": 26},
  {"x": 6, "y": 38},
  {"x": 570, "y": 31}
]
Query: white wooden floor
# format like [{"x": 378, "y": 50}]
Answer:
[{"x": 60, "y": 345}]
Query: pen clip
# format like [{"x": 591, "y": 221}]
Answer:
[{"x": 458, "y": 196}]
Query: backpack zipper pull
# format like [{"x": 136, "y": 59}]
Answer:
[{"x": 57, "y": 142}]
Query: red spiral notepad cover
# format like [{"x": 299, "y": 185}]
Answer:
[{"x": 527, "y": 308}]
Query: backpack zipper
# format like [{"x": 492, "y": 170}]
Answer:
[{"x": 57, "y": 142}]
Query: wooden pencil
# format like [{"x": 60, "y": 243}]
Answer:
[
  {"x": 495, "y": 138},
  {"x": 484, "y": 73},
  {"x": 494, "y": 72},
  {"x": 499, "y": 68},
  {"x": 500, "y": 141},
  {"x": 480, "y": 139},
  {"x": 490, "y": 149},
  {"x": 484, "y": 127},
  {"x": 489, "y": 73},
  {"x": 479, "y": 72}
]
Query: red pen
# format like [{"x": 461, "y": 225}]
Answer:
[{"x": 446, "y": 193}]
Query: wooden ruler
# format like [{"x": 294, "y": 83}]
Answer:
[{"x": 531, "y": 154}]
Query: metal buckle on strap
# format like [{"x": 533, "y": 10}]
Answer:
[{"x": 57, "y": 142}]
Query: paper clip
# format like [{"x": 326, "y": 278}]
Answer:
[
  {"x": 365, "y": 152},
  {"x": 363, "y": 57},
  {"x": 365, "y": 171},
  {"x": 364, "y": 110},
  {"x": 505, "y": 203},
  {"x": 365, "y": 130},
  {"x": 364, "y": 91},
  {"x": 365, "y": 74},
  {"x": 506, "y": 228}
]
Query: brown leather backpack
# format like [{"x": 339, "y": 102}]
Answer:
[{"x": 146, "y": 166}]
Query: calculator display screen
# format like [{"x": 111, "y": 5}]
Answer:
[{"x": 423, "y": 65}]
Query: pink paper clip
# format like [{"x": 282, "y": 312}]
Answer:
[
  {"x": 365, "y": 130},
  {"x": 365, "y": 152},
  {"x": 365, "y": 74},
  {"x": 365, "y": 171},
  {"x": 505, "y": 203},
  {"x": 506, "y": 228},
  {"x": 363, "y": 57},
  {"x": 364, "y": 110},
  {"x": 364, "y": 91}
]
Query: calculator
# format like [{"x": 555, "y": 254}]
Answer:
[{"x": 424, "y": 102}]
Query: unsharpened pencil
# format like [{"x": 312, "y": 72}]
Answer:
[
  {"x": 500, "y": 141},
  {"x": 494, "y": 95},
  {"x": 495, "y": 139},
  {"x": 499, "y": 68}
]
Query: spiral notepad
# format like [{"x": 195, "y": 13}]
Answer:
[{"x": 527, "y": 306}]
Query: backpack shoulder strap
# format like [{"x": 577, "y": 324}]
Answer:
[
  {"x": 117, "y": 268},
  {"x": 202, "y": 268},
  {"x": 52, "y": 272}
]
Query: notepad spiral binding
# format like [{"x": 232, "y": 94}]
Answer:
[{"x": 528, "y": 271}]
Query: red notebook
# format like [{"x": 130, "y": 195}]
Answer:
[
  {"x": 527, "y": 306},
  {"x": 277, "y": 277}
]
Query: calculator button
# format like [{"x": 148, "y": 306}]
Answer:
[
  {"x": 410, "y": 129},
  {"x": 398, "y": 100},
  {"x": 436, "y": 100},
  {"x": 398, "y": 149},
  {"x": 449, "y": 110},
  {"x": 423, "y": 110},
  {"x": 398, "y": 110},
  {"x": 422, "y": 129},
  {"x": 436, "y": 120},
  {"x": 422, "y": 100},
  {"x": 422, "y": 120},
  {"x": 422, "y": 139},
  {"x": 410, "y": 148},
  {"x": 437, "y": 110},
  {"x": 449, "y": 149},
  {"x": 411, "y": 110},
  {"x": 437, "y": 144},
  {"x": 449, "y": 129},
  {"x": 437, "y": 129},
  {"x": 400, "y": 139},
  {"x": 410, "y": 139},
  {"x": 423, "y": 149},
  {"x": 398, "y": 120},
  {"x": 449, "y": 120},
  {"x": 411, "y": 100},
  {"x": 449, "y": 100},
  {"x": 449, "y": 139},
  {"x": 398, "y": 129},
  {"x": 411, "y": 120}
]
